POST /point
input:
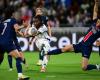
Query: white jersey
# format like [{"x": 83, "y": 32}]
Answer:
[
  {"x": 43, "y": 30},
  {"x": 42, "y": 38}
]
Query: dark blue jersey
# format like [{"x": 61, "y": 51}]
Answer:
[
  {"x": 7, "y": 35},
  {"x": 7, "y": 30},
  {"x": 44, "y": 20},
  {"x": 85, "y": 46},
  {"x": 92, "y": 34},
  {"x": 15, "y": 40}
]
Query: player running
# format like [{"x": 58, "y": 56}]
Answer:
[
  {"x": 39, "y": 11},
  {"x": 8, "y": 28},
  {"x": 25, "y": 24},
  {"x": 41, "y": 39},
  {"x": 85, "y": 46}
]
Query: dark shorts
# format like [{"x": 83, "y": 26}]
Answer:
[
  {"x": 18, "y": 47},
  {"x": 85, "y": 50},
  {"x": 7, "y": 47}
]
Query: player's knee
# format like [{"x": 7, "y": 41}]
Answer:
[
  {"x": 84, "y": 68},
  {"x": 67, "y": 48}
]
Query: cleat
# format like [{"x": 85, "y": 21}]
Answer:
[
  {"x": 98, "y": 67},
  {"x": 39, "y": 63},
  {"x": 43, "y": 70},
  {"x": 23, "y": 77},
  {"x": 10, "y": 69}
]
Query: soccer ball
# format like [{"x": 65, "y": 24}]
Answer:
[{"x": 32, "y": 31}]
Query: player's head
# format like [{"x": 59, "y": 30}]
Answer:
[
  {"x": 25, "y": 21},
  {"x": 39, "y": 11},
  {"x": 9, "y": 12},
  {"x": 37, "y": 21}
]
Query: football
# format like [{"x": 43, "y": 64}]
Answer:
[{"x": 32, "y": 31}]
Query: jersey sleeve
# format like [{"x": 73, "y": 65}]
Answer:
[
  {"x": 42, "y": 29},
  {"x": 13, "y": 21}
]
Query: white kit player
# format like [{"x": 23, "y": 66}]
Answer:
[{"x": 42, "y": 39}]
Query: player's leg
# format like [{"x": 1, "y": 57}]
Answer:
[
  {"x": 40, "y": 59},
  {"x": 22, "y": 57},
  {"x": 16, "y": 55},
  {"x": 10, "y": 62},
  {"x": 45, "y": 48},
  {"x": 67, "y": 48},
  {"x": 86, "y": 66},
  {"x": 86, "y": 52}
]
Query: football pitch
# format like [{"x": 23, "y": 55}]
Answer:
[{"x": 60, "y": 67}]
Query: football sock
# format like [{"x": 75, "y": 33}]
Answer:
[
  {"x": 40, "y": 56},
  {"x": 18, "y": 65},
  {"x": 90, "y": 67},
  {"x": 24, "y": 61},
  {"x": 55, "y": 52},
  {"x": 10, "y": 61}
]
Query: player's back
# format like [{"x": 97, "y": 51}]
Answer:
[{"x": 7, "y": 30}]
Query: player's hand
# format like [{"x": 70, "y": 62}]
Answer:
[{"x": 97, "y": 43}]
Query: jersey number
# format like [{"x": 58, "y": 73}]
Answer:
[{"x": 5, "y": 26}]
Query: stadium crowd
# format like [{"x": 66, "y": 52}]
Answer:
[{"x": 61, "y": 13}]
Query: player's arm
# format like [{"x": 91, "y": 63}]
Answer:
[
  {"x": 17, "y": 29},
  {"x": 95, "y": 11},
  {"x": 49, "y": 28},
  {"x": 98, "y": 43}
]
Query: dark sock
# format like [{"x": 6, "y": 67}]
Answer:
[
  {"x": 90, "y": 67},
  {"x": 10, "y": 61},
  {"x": 24, "y": 61},
  {"x": 55, "y": 52},
  {"x": 40, "y": 56},
  {"x": 18, "y": 65}
]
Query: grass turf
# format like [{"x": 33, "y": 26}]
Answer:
[{"x": 60, "y": 67}]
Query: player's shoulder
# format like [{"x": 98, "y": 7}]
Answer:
[
  {"x": 10, "y": 20},
  {"x": 43, "y": 26},
  {"x": 44, "y": 17}
]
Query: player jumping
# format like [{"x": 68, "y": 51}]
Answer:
[{"x": 85, "y": 46}]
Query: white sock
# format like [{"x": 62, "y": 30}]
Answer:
[
  {"x": 45, "y": 60},
  {"x": 20, "y": 74}
]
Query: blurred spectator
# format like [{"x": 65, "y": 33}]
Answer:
[
  {"x": 71, "y": 18},
  {"x": 63, "y": 12}
]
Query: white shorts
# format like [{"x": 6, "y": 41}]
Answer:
[{"x": 40, "y": 42}]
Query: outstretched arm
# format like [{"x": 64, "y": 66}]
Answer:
[{"x": 95, "y": 11}]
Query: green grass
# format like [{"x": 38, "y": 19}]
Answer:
[{"x": 60, "y": 67}]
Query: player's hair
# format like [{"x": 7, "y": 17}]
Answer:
[
  {"x": 39, "y": 17},
  {"x": 9, "y": 11}
]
